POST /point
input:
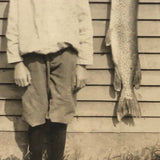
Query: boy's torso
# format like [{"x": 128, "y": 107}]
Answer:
[{"x": 45, "y": 24}]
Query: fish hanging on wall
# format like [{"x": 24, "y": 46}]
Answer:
[{"x": 122, "y": 36}]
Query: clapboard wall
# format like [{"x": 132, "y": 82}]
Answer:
[{"x": 96, "y": 102}]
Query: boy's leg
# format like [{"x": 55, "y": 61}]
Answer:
[
  {"x": 35, "y": 103},
  {"x": 56, "y": 140},
  {"x": 62, "y": 99},
  {"x": 36, "y": 137},
  {"x": 35, "y": 98},
  {"x": 62, "y": 82}
]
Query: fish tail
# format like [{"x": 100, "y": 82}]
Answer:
[
  {"x": 138, "y": 76},
  {"x": 128, "y": 105},
  {"x": 117, "y": 80}
]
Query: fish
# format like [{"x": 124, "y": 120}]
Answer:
[{"x": 122, "y": 37}]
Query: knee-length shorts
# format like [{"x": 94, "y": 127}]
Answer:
[{"x": 51, "y": 92}]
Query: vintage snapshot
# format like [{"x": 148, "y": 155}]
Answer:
[{"x": 79, "y": 79}]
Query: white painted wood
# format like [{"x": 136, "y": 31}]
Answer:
[
  {"x": 149, "y": 109},
  {"x": 145, "y": 28},
  {"x": 146, "y": 45},
  {"x": 95, "y": 77},
  {"x": 91, "y": 124},
  {"x": 102, "y": 11},
  {"x": 103, "y": 93}
]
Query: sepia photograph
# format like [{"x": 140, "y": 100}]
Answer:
[{"x": 79, "y": 79}]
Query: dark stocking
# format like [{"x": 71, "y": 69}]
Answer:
[
  {"x": 56, "y": 140},
  {"x": 36, "y": 135}
]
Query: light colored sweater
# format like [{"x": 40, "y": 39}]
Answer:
[{"x": 46, "y": 26}]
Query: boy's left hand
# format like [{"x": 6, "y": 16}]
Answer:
[{"x": 81, "y": 77}]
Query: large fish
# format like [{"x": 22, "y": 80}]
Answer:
[{"x": 122, "y": 36}]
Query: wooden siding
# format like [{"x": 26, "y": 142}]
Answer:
[{"x": 96, "y": 102}]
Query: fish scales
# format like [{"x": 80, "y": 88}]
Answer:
[{"x": 122, "y": 36}]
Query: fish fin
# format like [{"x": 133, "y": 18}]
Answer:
[
  {"x": 117, "y": 83},
  {"x": 128, "y": 105},
  {"x": 108, "y": 37},
  {"x": 137, "y": 77}
]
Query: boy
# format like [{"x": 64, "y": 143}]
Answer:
[{"x": 50, "y": 44}]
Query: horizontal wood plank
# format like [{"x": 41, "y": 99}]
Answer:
[
  {"x": 103, "y": 93},
  {"x": 4, "y": 9},
  {"x": 107, "y": 109},
  {"x": 145, "y": 45},
  {"x": 145, "y": 28},
  {"x": 95, "y": 77},
  {"x": 10, "y": 107},
  {"x": 6, "y": 76},
  {"x": 105, "y": 77},
  {"x": 12, "y": 123},
  {"x": 147, "y": 61},
  {"x": 104, "y": 61},
  {"x": 102, "y": 11},
  {"x": 100, "y": 109},
  {"x": 148, "y": 28},
  {"x": 106, "y": 125},
  {"x": 3, "y": 44},
  {"x": 3, "y": 26}
]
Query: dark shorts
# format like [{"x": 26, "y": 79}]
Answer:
[{"x": 51, "y": 93}]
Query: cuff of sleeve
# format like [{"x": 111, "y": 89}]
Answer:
[
  {"x": 85, "y": 61},
  {"x": 15, "y": 59}
]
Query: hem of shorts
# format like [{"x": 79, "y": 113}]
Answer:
[
  {"x": 33, "y": 123},
  {"x": 57, "y": 120}
]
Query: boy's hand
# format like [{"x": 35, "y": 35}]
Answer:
[
  {"x": 81, "y": 78},
  {"x": 22, "y": 75}
]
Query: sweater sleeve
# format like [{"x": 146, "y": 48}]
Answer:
[
  {"x": 85, "y": 33},
  {"x": 13, "y": 54}
]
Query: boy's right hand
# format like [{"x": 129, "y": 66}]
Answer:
[{"x": 22, "y": 75}]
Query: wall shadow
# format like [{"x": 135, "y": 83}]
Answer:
[
  {"x": 4, "y": 24},
  {"x": 20, "y": 136},
  {"x": 14, "y": 117}
]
